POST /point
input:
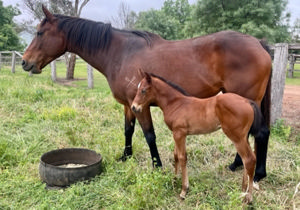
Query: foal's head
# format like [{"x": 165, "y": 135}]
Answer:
[{"x": 144, "y": 95}]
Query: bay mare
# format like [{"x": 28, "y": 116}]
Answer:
[
  {"x": 226, "y": 61},
  {"x": 185, "y": 115}
]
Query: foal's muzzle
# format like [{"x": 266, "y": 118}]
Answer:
[{"x": 136, "y": 108}]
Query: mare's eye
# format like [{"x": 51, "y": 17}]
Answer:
[{"x": 39, "y": 33}]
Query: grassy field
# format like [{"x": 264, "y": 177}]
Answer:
[{"x": 38, "y": 115}]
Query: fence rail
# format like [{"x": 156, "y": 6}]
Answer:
[{"x": 13, "y": 58}]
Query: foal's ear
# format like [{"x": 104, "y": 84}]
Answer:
[
  {"x": 148, "y": 77},
  {"x": 48, "y": 14},
  {"x": 141, "y": 73}
]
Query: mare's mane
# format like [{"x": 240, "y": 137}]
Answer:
[
  {"x": 92, "y": 35},
  {"x": 173, "y": 85}
]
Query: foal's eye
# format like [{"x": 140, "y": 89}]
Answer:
[
  {"x": 144, "y": 91},
  {"x": 39, "y": 33}
]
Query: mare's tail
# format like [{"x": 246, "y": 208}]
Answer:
[
  {"x": 266, "y": 101},
  {"x": 260, "y": 131}
]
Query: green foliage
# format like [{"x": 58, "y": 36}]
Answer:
[
  {"x": 177, "y": 19},
  {"x": 280, "y": 130},
  {"x": 168, "y": 22},
  {"x": 9, "y": 39},
  {"x": 262, "y": 19}
]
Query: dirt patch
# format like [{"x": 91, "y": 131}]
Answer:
[
  {"x": 67, "y": 82},
  {"x": 291, "y": 106}
]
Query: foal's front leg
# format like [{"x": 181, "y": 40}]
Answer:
[{"x": 180, "y": 148}]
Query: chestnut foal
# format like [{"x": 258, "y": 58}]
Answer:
[{"x": 184, "y": 115}]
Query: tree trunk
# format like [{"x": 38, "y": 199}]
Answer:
[{"x": 71, "y": 67}]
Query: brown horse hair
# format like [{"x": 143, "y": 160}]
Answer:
[
  {"x": 92, "y": 35},
  {"x": 176, "y": 87}
]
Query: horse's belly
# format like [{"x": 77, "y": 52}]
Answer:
[{"x": 203, "y": 127}]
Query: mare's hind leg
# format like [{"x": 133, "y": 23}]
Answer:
[
  {"x": 145, "y": 121},
  {"x": 261, "y": 148},
  {"x": 129, "y": 130},
  {"x": 236, "y": 163}
]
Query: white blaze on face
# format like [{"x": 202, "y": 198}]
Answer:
[{"x": 139, "y": 85}]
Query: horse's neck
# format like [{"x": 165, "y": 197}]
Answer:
[
  {"x": 166, "y": 96},
  {"x": 102, "y": 59}
]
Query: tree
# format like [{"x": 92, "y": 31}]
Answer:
[
  {"x": 125, "y": 18},
  {"x": 262, "y": 19},
  {"x": 67, "y": 7},
  {"x": 168, "y": 22},
  {"x": 296, "y": 31},
  {"x": 9, "y": 39}
]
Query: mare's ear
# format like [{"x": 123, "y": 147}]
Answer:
[
  {"x": 148, "y": 77},
  {"x": 48, "y": 14}
]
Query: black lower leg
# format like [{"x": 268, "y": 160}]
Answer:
[
  {"x": 129, "y": 130},
  {"x": 236, "y": 163},
  {"x": 261, "y": 157},
  {"x": 151, "y": 140}
]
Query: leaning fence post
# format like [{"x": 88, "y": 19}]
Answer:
[
  {"x": 13, "y": 62},
  {"x": 90, "y": 76},
  {"x": 53, "y": 70},
  {"x": 278, "y": 79}
]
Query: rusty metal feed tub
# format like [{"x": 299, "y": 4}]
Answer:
[{"x": 54, "y": 175}]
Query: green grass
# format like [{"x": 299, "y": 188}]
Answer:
[
  {"x": 38, "y": 115},
  {"x": 296, "y": 77}
]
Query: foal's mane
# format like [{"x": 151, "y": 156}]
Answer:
[
  {"x": 173, "y": 85},
  {"x": 93, "y": 35}
]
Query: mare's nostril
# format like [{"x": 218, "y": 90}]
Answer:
[{"x": 23, "y": 63}]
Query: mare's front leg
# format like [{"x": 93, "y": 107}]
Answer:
[
  {"x": 145, "y": 121},
  {"x": 129, "y": 130}
]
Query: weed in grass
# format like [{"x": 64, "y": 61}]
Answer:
[{"x": 281, "y": 131}]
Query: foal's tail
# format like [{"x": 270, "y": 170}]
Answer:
[{"x": 260, "y": 130}]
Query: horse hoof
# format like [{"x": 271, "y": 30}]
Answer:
[
  {"x": 232, "y": 167},
  {"x": 247, "y": 198},
  {"x": 256, "y": 186},
  {"x": 182, "y": 196},
  {"x": 123, "y": 158}
]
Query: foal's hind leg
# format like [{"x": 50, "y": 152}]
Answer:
[
  {"x": 180, "y": 149},
  {"x": 249, "y": 160}
]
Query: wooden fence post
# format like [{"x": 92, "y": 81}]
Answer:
[
  {"x": 90, "y": 76},
  {"x": 278, "y": 80},
  {"x": 292, "y": 60},
  {"x": 13, "y": 62},
  {"x": 53, "y": 70}
]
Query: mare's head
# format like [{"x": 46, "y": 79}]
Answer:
[
  {"x": 48, "y": 44},
  {"x": 144, "y": 95}
]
